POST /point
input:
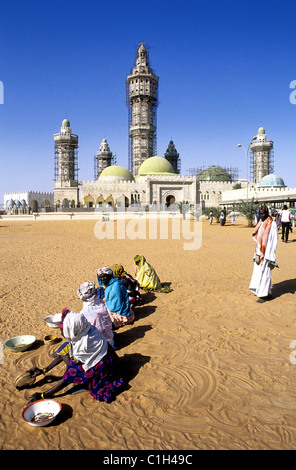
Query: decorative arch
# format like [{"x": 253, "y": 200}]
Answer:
[
  {"x": 169, "y": 197},
  {"x": 110, "y": 201},
  {"x": 34, "y": 205},
  {"x": 170, "y": 200},
  {"x": 88, "y": 201},
  {"x": 46, "y": 204},
  {"x": 122, "y": 201},
  {"x": 100, "y": 201}
]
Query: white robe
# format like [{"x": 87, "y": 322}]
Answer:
[
  {"x": 97, "y": 314},
  {"x": 260, "y": 283}
]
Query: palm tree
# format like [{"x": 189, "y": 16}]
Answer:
[
  {"x": 215, "y": 210},
  {"x": 248, "y": 209},
  {"x": 183, "y": 208}
]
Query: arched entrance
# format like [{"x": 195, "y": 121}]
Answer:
[
  {"x": 65, "y": 203},
  {"x": 122, "y": 201},
  {"x": 34, "y": 205},
  {"x": 170, "y": 199},
  {"x": 89, "y": 202},
  {"x": 99, "y": 201},
  {"x": 110, "y": 201}
]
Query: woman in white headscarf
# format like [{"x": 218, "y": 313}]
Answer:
[
  {"x": 91, "y": 361},
  {"x": 95, "y": 310}
]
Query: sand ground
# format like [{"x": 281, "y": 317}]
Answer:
[{"x": 207, "y": 366}]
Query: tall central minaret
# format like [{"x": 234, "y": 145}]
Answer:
[
  {"x": 142, "y": 87},
  {"x": 66, "y": 190},
  {"x": 262, "y": 155}
]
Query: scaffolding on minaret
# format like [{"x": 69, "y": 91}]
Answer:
[
  {"x": 56, "y": 163},
  {"x": 152, "y": 99},
  {"x": 270, "y": 163}
]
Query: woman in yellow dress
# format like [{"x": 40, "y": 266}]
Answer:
[{"x": 146, "y": 276}]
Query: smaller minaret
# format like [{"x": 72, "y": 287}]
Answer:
[
  {"x": 66, "y": 192},
  {"x": 172, "y": 156},
  {"x": 262, "y": 156},
  {"x": 104, "y": 157}
]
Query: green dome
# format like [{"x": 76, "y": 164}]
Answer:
[
  {"x": 156, "y": 166},
  {"x": 214, "y": 173},
  {"x": 116, "y": 172},
  {"x": 66, "y": 123},
  {"x": 261, "y": 131}
]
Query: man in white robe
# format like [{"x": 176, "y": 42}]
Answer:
[{"x": 265, "y": 236}]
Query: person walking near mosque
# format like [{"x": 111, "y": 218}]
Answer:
[
  {"x": 232, "y": 217},
  {"x": 265, "y": 236},
  {"x": 285, "y": 221}
]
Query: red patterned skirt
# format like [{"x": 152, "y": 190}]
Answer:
[{"x": 100, "y": 379}]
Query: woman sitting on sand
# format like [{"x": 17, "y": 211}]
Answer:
[
  {"x": 116, "y": 298},
  {"x": 91, "y": 360},
  {"x": 131, "y": 284},
  {"x": 147, "y": 277},
  {"x": 94, "y": 309}
]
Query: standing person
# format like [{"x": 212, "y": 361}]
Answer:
[
  {"x": 211, "y": 218},
  {"x": 225, "y": 214},
  {"x": 116, "y": 298},
  {"x": 265, "y": 236},
  {"x": 277, "y": 219},
  {"x": 232, "y": 217},
  {"x": 285, "y": 220},
  {"x": 257, "y": 216},
  {"x": 222, "y": 218}
]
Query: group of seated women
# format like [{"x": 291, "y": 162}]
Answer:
[{"x": 89, "y": 351}]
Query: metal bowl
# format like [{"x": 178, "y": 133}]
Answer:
[
  {"x": 53, "y": 320},
  {"x": 41, "y": 412},
  {"x": 24, "y": 380},
  {"x": 20, "y": 343}
]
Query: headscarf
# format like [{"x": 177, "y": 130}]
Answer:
[
  {"x": 118, "y": 270},
  {"x": 116, "y": 297},
  {"x": 65, "y": 312},
  {"x": 147, "y": 276},
  {"x": 105, "y": 270},
  {"x": 87, "y": 343},
  {"x": 87, "y": 291},
  {"x": 138, "y": 258}
]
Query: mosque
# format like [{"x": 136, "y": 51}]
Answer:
[{"x": 149, "y": 179}]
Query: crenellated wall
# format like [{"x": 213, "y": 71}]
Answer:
[{"x": 260, "y": 194}]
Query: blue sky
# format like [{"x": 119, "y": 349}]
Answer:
[{"x": 224, "y": 70}]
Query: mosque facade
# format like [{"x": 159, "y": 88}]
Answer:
[
  {"x": 149, "y": 179},
  {"x": 26, "y": 202}
]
